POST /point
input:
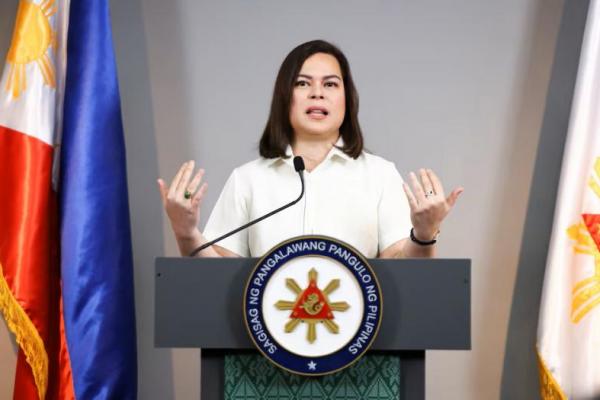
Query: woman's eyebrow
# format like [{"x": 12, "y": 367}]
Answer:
[{"x": 324, "y": 78}]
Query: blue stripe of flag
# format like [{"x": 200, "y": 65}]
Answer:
[{"x": 96, "y": 257}]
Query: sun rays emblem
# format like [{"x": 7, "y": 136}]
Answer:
[
  {"x": 312, "y": 306},
  {"x": 586, "y": 234},
  {"x": 345, "y": 310},
  {"x": 34, "y": 40}
]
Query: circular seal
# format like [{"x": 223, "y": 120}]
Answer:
[{"x": 313, "y": 305}]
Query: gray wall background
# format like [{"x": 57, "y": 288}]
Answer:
[{"x": 456, "y": 86}]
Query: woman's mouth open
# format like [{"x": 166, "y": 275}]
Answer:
[{"x": 317, "y": 112}]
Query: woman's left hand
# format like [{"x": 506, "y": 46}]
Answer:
[{"x": 428, "y": 203}]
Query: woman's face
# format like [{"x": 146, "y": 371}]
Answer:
[{"x": 318, "y": 100}]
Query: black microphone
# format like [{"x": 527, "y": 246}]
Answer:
[{"x": 299, "y": 167}]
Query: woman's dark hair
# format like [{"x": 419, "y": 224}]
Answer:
[{"x": 279, "y": 132}]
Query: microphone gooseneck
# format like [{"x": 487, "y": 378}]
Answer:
[{"x": 299, "y": 167}]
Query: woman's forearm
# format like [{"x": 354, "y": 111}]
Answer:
[
  {"x": 411, "y": 249},
  {"x": 190, "y": 243}
]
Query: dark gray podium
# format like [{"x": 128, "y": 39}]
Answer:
[{"x": 426, "y": 306}]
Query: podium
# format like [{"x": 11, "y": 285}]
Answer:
[{"x": 426, "y": 306}]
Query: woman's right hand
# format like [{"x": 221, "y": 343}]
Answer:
[{"x": 184, "y": 213}]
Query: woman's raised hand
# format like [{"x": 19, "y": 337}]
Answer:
[
  {"x": 182, "y": 200},
  {"x": 428, "y": 204}
]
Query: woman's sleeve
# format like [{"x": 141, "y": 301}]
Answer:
[
  {"x": 230, "y": 212},
  {"x": 393, "y": 212}
]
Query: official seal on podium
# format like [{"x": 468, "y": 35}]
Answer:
[{"x": 313, "y": 305}]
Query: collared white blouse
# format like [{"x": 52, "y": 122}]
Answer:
[{"x": 358, "y": 201}]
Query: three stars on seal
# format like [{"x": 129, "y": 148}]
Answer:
[{"x": 312, "y": 306}]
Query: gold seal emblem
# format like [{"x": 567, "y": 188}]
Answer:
[{"x": 312, "y": 306}]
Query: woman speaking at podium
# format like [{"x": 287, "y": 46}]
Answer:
[{"x": 350, "y": 195}]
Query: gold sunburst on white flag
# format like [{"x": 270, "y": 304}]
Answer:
[{"x": 568, "y": 340}]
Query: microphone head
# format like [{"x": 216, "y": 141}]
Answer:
[{"x": 298, "y": 164}]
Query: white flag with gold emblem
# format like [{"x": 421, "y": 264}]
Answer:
[{"x": 568, "y": 342}]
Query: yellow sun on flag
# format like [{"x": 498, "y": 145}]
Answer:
[
  {"x": 32, "y": 41},
  {"x": 586, "y": 235}
]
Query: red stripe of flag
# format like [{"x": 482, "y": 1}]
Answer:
[{"x": 29, "y": 256}]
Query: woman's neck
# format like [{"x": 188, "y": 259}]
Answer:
[{"x": 313, "y": 152}]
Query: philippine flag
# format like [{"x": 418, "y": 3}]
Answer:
[
  {"x": 66, "y": 278},
  {"x": 568, "y": 341}
]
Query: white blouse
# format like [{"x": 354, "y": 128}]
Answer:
[{"x": 358, "y": 201}]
